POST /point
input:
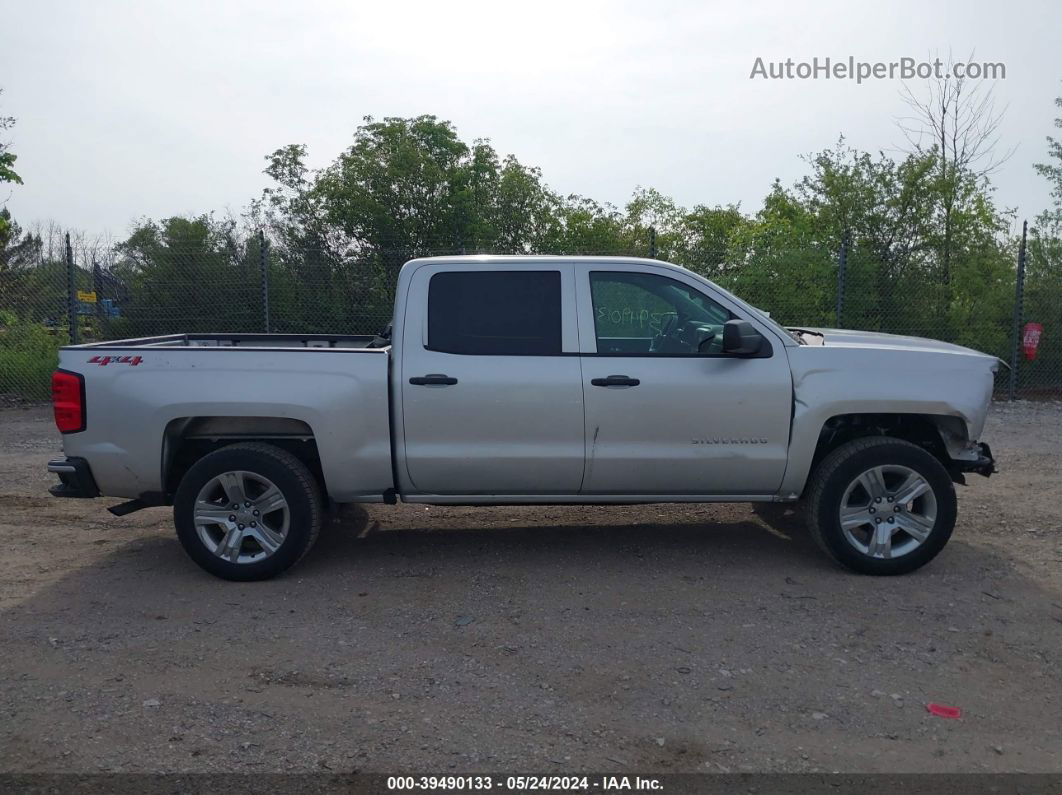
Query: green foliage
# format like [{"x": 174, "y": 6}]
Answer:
[
  {"x": 7, "y": 162},
  {"x": 17, "y": 251},
  {"x": 29, "y": 353},
  {"x": 1052, "y": 172},
  {"x": 191, "y": 273},
  {"x": 1043, "y": 285},
  {"x": 395, "y": 188},
  {"x": 7, "y": 158}
]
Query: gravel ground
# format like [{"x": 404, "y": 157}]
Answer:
[{"x": 553, "y": 640}]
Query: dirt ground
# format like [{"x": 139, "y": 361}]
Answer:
[{"x": 549, "y": 640}]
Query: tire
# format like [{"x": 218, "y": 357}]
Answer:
[
  {"x": 228, "y": 539},
  {"x": 890, "y": 535}
]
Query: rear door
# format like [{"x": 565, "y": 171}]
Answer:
[
  {"x": 666, "y": 411},
  {"x": 490, "y": 381}
]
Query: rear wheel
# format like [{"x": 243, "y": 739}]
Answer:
[
  {"x": 881, "y": 506},
  {"x": 247, "y": 511}
]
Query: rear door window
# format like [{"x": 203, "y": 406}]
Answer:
[{"x": 495, "y": 313}]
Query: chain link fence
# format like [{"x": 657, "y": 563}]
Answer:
[{"x": 255, "y": 287}]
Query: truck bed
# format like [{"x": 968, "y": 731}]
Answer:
[
  {"x": 144, "y": 397},
  {"x": 242, "y": 341}
]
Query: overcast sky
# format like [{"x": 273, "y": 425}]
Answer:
[{"x": 148, "y": 108}]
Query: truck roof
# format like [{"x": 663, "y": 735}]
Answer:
[{"x": 519, "y": 259}]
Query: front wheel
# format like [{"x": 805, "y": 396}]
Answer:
[
  {"x": 247, "y": 511},
  {"x": 881, "y": 506}
]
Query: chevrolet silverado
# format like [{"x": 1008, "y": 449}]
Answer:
[{"x": 529, "y": 380}]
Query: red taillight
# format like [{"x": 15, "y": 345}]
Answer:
[{"x": 68, "y": 401}]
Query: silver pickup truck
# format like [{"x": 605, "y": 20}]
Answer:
[{"x": 517, "y": 380}]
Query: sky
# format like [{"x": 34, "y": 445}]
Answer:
[{"x": 132, "y": 109}]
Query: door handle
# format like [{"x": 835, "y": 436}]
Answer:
[
  {"x": 435, "y": 379},
  {"x": 615, "y": 380}
]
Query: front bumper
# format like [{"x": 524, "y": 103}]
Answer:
[
  {"x": 984, "y": 464},
  {"x": 75, "y": 478}
]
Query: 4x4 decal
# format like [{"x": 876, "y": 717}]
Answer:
[{"x": 103, "y": 361}]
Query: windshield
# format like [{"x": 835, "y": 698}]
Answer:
[
  {"x": 760, "y": 315},
  {"x": 776, "y": 325}
]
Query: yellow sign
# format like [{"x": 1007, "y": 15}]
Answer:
[{"x": 88, "y": 298}]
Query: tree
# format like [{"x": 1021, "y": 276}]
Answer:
[
  {"x": 7, "y": 168},
  {"x": 525, "y": 209},
  {"x": 650, "y": 213},
  {"x": 396, "y": 187},
  {"x": 291, "y": 211},
  {"x": 957, "y": 121},
  {"x": 1043, "y": 280},
  {"x": 17, "y": 251},
  {"x": 7, "y": 158},
  {"x": 707, "y": 236},
  {"x": 884, "y": 210},
  {"x": 197, "y": 267},
  {"x": 1051, "y": 170},
  {"x": 583, "y": 226},
  {"x": 782, "y": 260}
]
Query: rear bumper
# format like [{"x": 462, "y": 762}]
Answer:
[
  {"x": 984, "y": 464},
  {"x": 75, "y": 478}
]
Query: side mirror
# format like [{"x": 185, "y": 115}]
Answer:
[{"x": 741, "y": 339}]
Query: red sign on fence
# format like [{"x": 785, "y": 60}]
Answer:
[{"x": 1030, "y": 338}]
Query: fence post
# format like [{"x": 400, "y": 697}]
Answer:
[
  {"x": 71, "y": 294},
  {"x": 652, "y": 242},
  {"x": 1019, "y": 297},
  {"x": 842, "y": 265},
  {"x": 263, "y": 259},
  {"x": 97, "y": 287}
]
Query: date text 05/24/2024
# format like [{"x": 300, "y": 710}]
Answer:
[{"x": 525, "y": 783}]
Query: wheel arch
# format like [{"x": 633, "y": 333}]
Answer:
[
  {"x": 940, "y": 434},
  {"x": 188, "y": 439}
]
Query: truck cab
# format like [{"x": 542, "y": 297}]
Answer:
[{"x": 586, "y": 378}]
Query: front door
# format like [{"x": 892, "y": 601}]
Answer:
[
  {"x": 492, "y": 399},
  {"x": 666, "y": 411}
]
